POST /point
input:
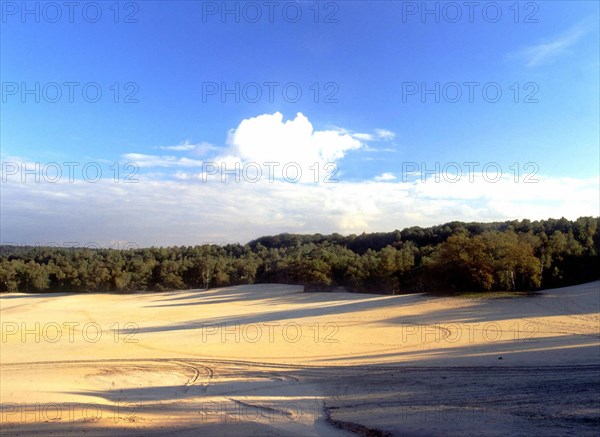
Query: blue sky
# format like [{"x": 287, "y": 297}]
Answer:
[{"x": 369, "y": 61}]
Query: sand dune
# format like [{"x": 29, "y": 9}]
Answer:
[{"x": 272, "y": 360}]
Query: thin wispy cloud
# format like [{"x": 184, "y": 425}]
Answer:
[
  {"x": 552, "y": 48},
  {"x": 144, "y": 160},
  {"x": 364, "y": 137},
  {"x": 377, "y": 135},
  {"x": 197, "y": 149},
  {"x": 385, "y": 177},
  {"x": 385, "y": 134},
  {"x": 178, "y": 148}
]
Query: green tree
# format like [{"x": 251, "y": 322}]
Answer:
[{"x": 8, "y": 276}]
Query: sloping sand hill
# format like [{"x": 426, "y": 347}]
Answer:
[{"x": 272, "y": 360}]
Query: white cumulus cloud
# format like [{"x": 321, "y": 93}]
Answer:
[{"x": 268, "y": 138}]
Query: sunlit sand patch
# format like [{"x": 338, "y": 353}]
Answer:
[{"x": 223, "y": 358}]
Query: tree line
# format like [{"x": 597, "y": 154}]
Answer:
[{"x": 454, "y": 257}]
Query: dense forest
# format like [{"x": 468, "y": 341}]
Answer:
[{"x": 454, "y": 257}]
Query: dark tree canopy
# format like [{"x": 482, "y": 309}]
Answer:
[{"x": 456, "y": 256}]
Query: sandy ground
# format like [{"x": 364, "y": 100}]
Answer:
[{"x": 270, "y": 360}]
